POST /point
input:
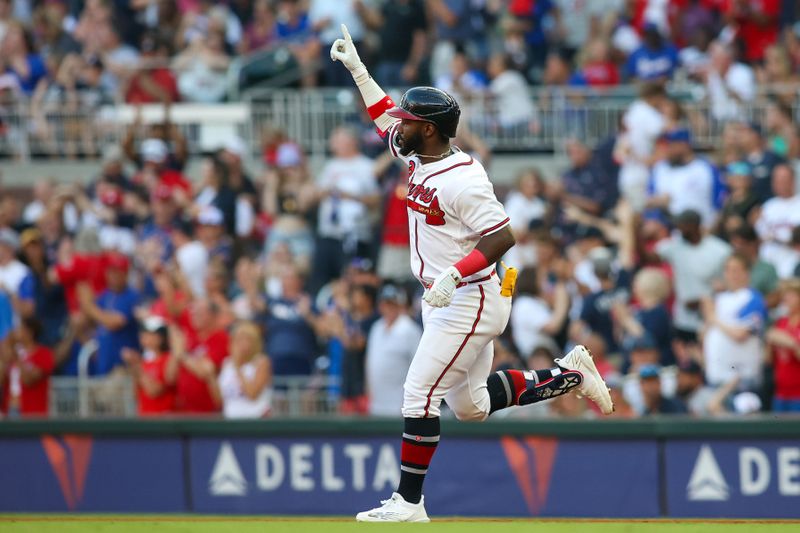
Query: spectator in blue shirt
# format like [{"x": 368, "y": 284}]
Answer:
[
  {"x": 655, "y": 60},
  {"x": 290, "y": 342},
  {"x": 38, "y": 296},
  {"x": 113, "y": 312},
  {"x": 18, "y": 59}
]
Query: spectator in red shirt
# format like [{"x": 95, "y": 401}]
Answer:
[
  {"x": 155, "y": 170},
  {"x": 598, "y": 70},
  {"x": 148, "y": 368},
  {"x": 757, "y": 24},
  {"x": 784, "y": 343},
  {"x": 153, "y": 82},
  {"x": 29, "y": 376},
  {"x": 196, "y": 359},
  {"x": 80, "y": 262}
]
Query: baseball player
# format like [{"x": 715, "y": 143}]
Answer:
[{"x": 458, "y": 232}]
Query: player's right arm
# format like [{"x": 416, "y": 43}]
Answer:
[{"x": 375, "y": 98}]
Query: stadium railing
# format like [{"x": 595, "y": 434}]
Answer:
[
  {"x": 308, "y": 116},
  {"x": 114, "y": 396}
]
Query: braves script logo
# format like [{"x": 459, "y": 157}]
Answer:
[
  {"x": 69, "y": 458},
  {"x": 418, "y": 195},
  {"x": 531, "y": 459}
]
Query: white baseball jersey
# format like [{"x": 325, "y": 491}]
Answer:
[{"x": 451, "y": 205}]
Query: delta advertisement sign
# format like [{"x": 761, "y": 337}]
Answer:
[
  {"x": 529, "y": 476},
  {"x": 733, "y": 479},
  {"x": 82, "y": 473}
]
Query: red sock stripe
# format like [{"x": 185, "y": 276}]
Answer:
[
  {"x": 413, "y": 453},
  {"x": 379, "y": 108},
  {"x": 518, "y": 380}
]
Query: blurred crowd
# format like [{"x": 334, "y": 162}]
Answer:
[
  {"x": 94, "y": 51},
  {"x": 216, "y": 290}
]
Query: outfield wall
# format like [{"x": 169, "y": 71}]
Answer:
[{"x": 677, "y": 468}]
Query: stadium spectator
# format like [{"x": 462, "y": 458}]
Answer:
[
  {"x": 77, "y": 337},
  {"x": 210, "y": 231},
  {"x": 351, "y": 327},
  {"x": 39, "y": 296},
  {"x": 697, "y": 262},
  {"x": 401, "y": 26},
  {"x": 597, "y": 68},
  {"x": 762, "y": 161},
  {"x": 260, "y": 32},
  {"x": 244, "y": 385},
  {"x": 650, "y": 317},
  {"x": 12, "y": 271},
  {"x": 775, "y": 222},
  {"x": 290, "y": 339},
  {"x": 735, "y": 321},
  {"x": 655, "y": 403},
  {"x": 533, "y": 321},
  {"x": 777, "y": 71},
  {"x": 584, "y": 185},
  {"x": 684, "y": 181},
  {"x": 730, "y": 84},
  {"x": 113, "y": 313},
  {"x": 783, "y": 351},
  {"x": 327, "y": 19},
  {"x": 782, "y": 135},
  {"x": 191, "y": 256},
  {"x": 196, "y": 356},
  {"x": 692, "y": 390},
  {"x": 201, "y": 68},
  {"x": 655, "y": 61},
  {"x": 29, "y": 374},
  {"x": 741, "y": 202},
  {"x": 526, "y": 208},
  {"x": 595, "y": 314},
  {"x": 643, "y": 123},
  {"x": 18, "y": 58},
  {"x": 152, "y": 82},
  {"x": 513, "y": 106},
  {"x": 763, "y": 276},
  {"x": 347, "y": 192},
  {"x": 148, "y": 368},
  {"x": 391, "y": 345},
  {"x": 250, "y": 300},
  {"x": 757, "y": 25}
]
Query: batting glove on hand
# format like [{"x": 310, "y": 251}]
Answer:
[
  {"x": 345, "y": 51},
  {"x": 441, "y": 292}
]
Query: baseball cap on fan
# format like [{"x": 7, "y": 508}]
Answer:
[
  {"x": 154, "y": 151},
  {"x": 391, "y": 293},
  {"x": 236, "y": 146},
  {"x": 210, "y": 216},
  {"x": 9, "y": 238}
]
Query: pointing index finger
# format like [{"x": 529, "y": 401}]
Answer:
[{"x": 346, "y": 33}]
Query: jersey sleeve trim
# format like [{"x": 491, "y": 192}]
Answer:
[
  {"x": 462, "y": 164},
  {"x": 495, "y": 227}
]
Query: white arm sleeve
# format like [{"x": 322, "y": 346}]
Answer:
[{"x": 372, "y": 94}]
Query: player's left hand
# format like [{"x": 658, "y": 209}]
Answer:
[
  {"x": 441, "y": 292},
  {"x": 345, "y": 51}
]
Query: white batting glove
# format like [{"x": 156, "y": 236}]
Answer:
[
  {"x": 441, "y": 292},
  {"x": 345, "y": 51}
]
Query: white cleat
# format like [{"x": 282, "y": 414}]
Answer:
[
  {"x": 593, "y": 386},
  {"x": 396, "y": 509}
]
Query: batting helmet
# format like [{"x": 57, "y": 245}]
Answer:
[{"x": 429, "y": 104}]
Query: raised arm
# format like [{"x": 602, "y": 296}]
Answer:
[{"x": 374, "y": 97}]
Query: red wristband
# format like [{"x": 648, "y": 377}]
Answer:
[
  {"x": 474, "y": 262},
  {"x": 380, "y": 107}
]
